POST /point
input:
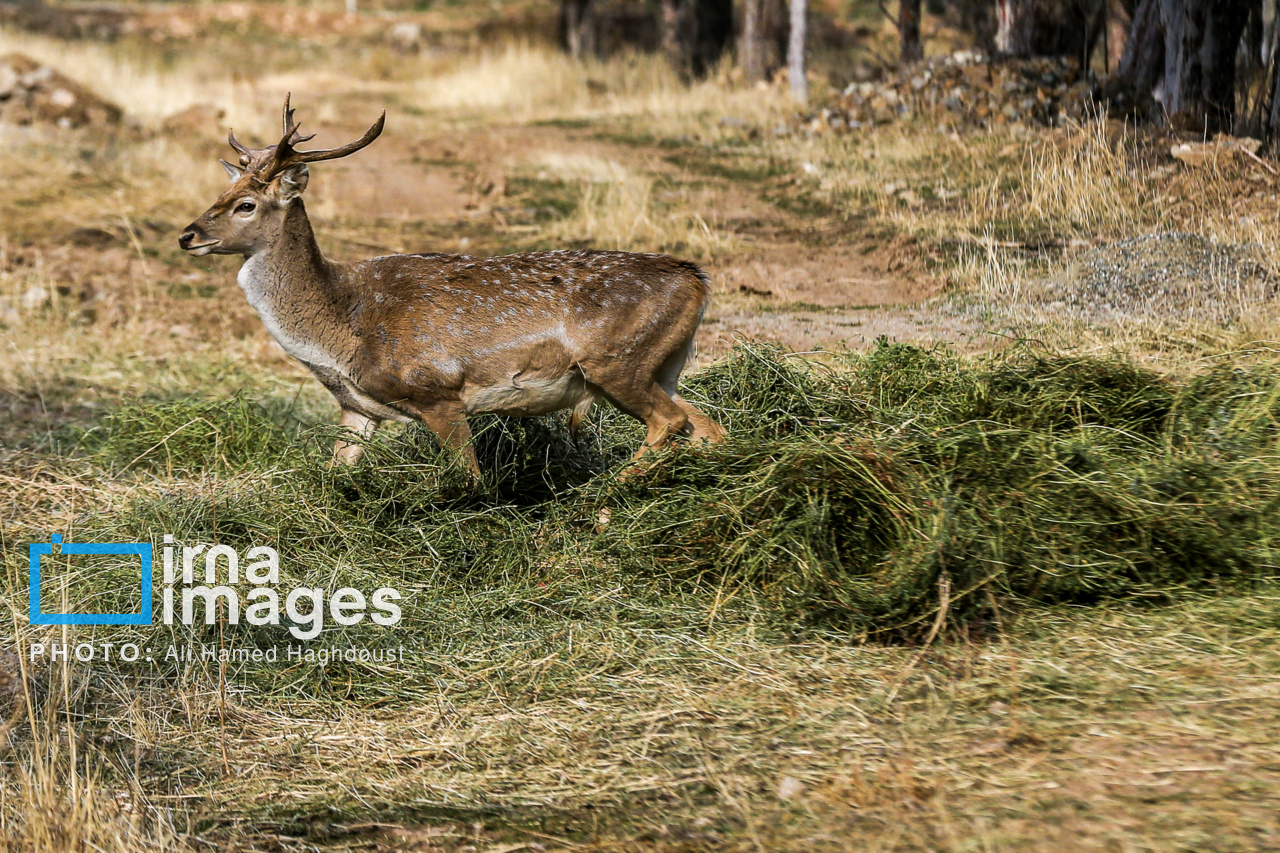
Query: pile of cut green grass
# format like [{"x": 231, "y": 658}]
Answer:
[{"x": 861, "y": 498}]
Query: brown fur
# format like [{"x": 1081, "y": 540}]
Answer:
[{"x": 434, "y": 337}]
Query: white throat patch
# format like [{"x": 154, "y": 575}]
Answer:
[{"x": 255, "y": 280}]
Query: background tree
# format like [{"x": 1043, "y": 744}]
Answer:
[
  {"x": 912, "y": 50},
  {"x": 796, "y": 43},
  {"x": 1026, "y": 28},
  {"x": 580, "y": 27},
  {"x": 762, "y": 37},
  {"x": 1186, "y": 51},
  {"x": 696, "y": 33}
]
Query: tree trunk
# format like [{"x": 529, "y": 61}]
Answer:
[
  {"x": 1014, "y": 26},
  {"x": 1184, "y": 52},
  {"x": 1118, "y": 25},
  {"x": 1201, "y": 40},
  {"x": 1142, "y": 64},
  {"x": 795, "y": 52},
  {"x": 675, "y": 33},
  {"x": 1026, "y": 28},
  {"x": 1223, "y": 32},
  {"x": 714, "y": 34},
  {"x": 761, "y": 40},
  {"x": 750, "y": 43},
  {"x": 695, "y": 33},
  {"x": 1273, "y": 108},
  {"x": 579, "y": 27},
  {"x": 912, "y": 51}
]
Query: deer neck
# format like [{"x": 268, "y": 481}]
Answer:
[{"x": 299, "y": 295}]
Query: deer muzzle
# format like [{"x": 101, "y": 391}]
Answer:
[{"x": 195, "y": 243}]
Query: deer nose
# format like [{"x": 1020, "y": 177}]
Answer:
[{"x": 187, "y": 238}]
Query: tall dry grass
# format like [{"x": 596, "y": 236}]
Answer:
[
  {"x": 520, "y": 81},
  {"x": 138, "y": 80},
  {"x": 618, "y": 208},
  {"x": 59, "y": 792}
]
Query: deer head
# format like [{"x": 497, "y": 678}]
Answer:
[{"x": 249, "y": 214}]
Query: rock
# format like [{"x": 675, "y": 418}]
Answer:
[
  {"x": 1192, "y": 153},
  {"x": 195, "y": 120},
  {"x": 1199, "y": 153},
  {"x": 8, "y": 81},
  {"x": 34, "y": 298},
  {"x": 62, "y": 98},
  {"x": 963, "y": 89},
  {"x": 1163, "y": 276},
  {"x": 41, "y": 94}
]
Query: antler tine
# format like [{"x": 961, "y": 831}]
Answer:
[
  {"x": 342, "y": 151},
  {"x": 289, "y": 126},
  {"x": 234, "y": 143}
]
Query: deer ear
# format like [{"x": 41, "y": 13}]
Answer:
[
  {"x": 293, "y": 181},
  {"x": 233, "y": 172}
]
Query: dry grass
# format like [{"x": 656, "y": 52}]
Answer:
[
  {"x": 526, "y": 82},
  {"x": 137, "y": 81},
  {"x": 559, "y": 698},
  {"x": 1076, "y": 731},
  {"x": 624, "y": 214},
  {"x": 1009, "y": 208},
  {"x": 59, "y": 791}
]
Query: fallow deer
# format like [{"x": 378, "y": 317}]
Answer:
[{"x": 435, "y": 337}]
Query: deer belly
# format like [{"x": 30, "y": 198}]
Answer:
[{"x": 527, "y": 396}]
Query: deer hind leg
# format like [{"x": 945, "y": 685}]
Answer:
[
  {"x": 448, "y": 421},
  {"x": 349, "y": 452},
  {"x": 703, "y": 427},
  {"x": 655, "y": 408}
]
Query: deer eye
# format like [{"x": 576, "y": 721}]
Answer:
[{"x": 246, "y": 207}]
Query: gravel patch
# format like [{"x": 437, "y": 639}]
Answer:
[{"x": 1172, "y": 275}]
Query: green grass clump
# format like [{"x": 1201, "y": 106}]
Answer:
[
  {"x": 853, "y": 495},
  {"x": 861, "y": 497},
  {"x": 189, "y": 436}
]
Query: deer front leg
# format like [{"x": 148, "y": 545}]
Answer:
[
  {"x": 448, "y": 421},
  {"x": 349, "y": 452}
]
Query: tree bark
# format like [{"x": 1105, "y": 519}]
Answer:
[
  {"x": 1118, "y": 24},
  {"x": 1201, "y": 40},
  {"x": 796, "y": 66},
  {"x": 750, "y": 44},
  {"x": 761, "y": 39},
  {"x": 1184, "y": 53},
  {"x": 1223, "y": 32},
  {"x": 911, "y": 50},
  {"x": 672, "y": 18},
  {"x": 1142, "y": 64},
  {"x": 714, "y": 35},
  {"x": 579, "y": 28},
  {"x": 1026, "y": 28},
  {"x": 1014, "y": 25},
  {"x": 695, "y": 33},
  {"x": 1273, "y": 108}
]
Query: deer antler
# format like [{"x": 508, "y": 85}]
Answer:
[
  {"x": 291, "y": 127},
  {"x": 285, "y": 155},
  {"x": 245, "y": 153},
  {"x": 266, "y": 163}
]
